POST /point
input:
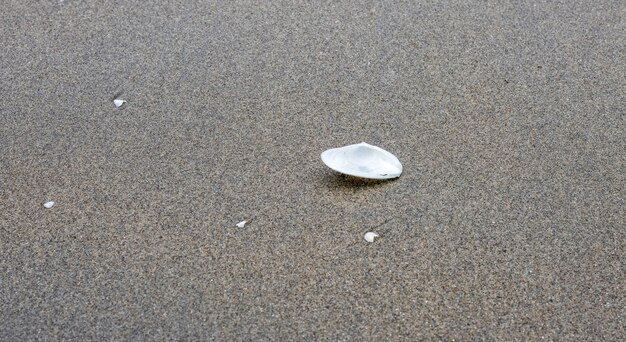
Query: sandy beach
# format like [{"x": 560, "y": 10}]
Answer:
[{"x": 507, "y": 222}]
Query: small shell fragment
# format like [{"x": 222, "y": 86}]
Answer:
[
  {"x": 119, "y": 103},
  {"x": 242, "y": 224},
  {"x": 370, "y": 236},
  {"x": 48, "y": 205}
]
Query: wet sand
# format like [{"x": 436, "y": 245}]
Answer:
[{"x": 507, "y": 223}]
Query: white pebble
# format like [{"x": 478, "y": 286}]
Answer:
[
  {"x": 370, "y": 236},
  {"x": 242, "y": 224},
  {"x": 118, "y": 103},
  {"x": 48, "y": 205}
]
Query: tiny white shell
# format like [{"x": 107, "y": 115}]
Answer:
[
  {"x": 370, "y": 236},
  {"x": 48, "y": 205},
  {"x": 242, "y": 224},
  {"x": 363, "y": 160},
  {"x": 118, "y": 103}
]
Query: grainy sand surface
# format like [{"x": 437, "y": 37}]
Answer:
[{"x": 507, "y": 223}]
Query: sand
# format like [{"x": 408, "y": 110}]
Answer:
[{"x": 507, "y": 223}]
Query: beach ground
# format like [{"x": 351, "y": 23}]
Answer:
[{"x": 506, "y": 224}]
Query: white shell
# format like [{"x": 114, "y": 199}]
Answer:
[
  {"x": 370, "y": 236},
  {"x": 241, "y": 224},
  {"x": 118, "y": 103},
  {"x": 363, "y": 160},
  {"x": 48, "y": 205}
]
